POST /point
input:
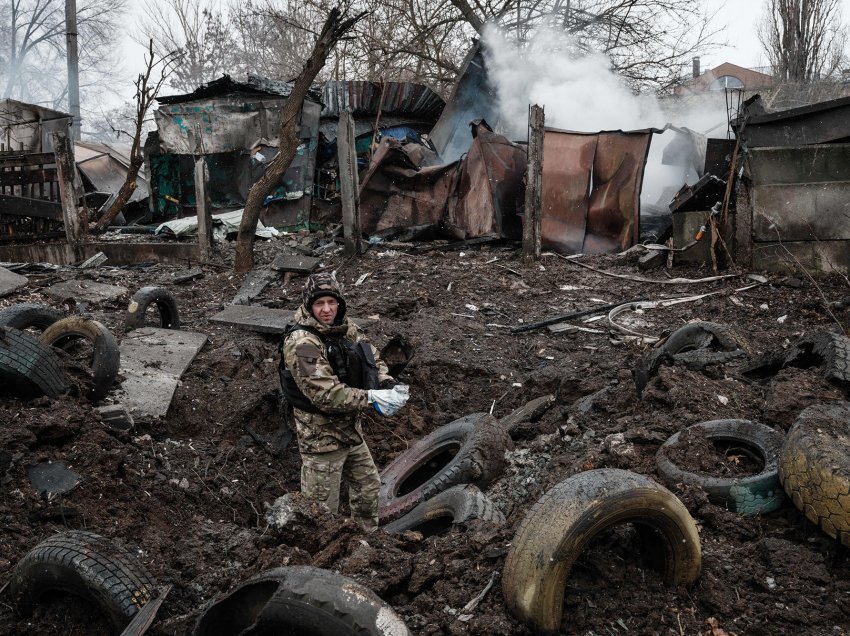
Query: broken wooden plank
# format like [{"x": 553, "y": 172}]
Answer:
[
  {"x": 349, "y": 184},
  {"x": 10, "y": 281},
  {"x": 204, "y": 208},
  {"x": 459, "y": 245},
  {"x": 296, "y": 263},
  {"x": 253, "y": 285},
  {"x": 265, "y": 319},
  {"x": 534, "y": 185},
  {"x": 74, "y": 216},
  {"x": 152, "y": 362},
  {"x": 24, "y": 206},
  {"x": 188, "y": 276},
  {"x": 85, "y": 290},
  {"x": 98, "y": 259},
  {"x": 528, "y": 412}
]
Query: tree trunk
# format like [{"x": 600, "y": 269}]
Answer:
[
  {"x": 332, "y": 30},
  {"x": 124, "y": 194},
  {"x": 469, "y": 15}
]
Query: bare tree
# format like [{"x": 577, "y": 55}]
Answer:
[
  {"x": 805, "y": 40},
  {"x": 198, "y": 31},
  {"x": 148, "y": 86},
  {"x": 32, "y": 46},
  {"x": 335, "y": 27}
]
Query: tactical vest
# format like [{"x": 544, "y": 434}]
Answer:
[{"x": 352, "y": 362}]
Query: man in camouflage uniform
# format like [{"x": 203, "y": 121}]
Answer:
[{"x": 331, "y": 441}]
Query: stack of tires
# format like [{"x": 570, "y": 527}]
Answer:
[{"x": 438, "y": 481}]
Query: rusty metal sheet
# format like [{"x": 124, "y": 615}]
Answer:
[
  {"x": 491, "y": 188},
  {"x": 591, "y": 189},
  {"x": 567, "y": 165},
  {"x": 396, "y": 193},
  {"x": 614, "y": 208}
]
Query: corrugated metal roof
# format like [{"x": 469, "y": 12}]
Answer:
[
  {"x": 226, "y": 85},
  {"x": 106, "y": 168},
  {"x": 364, "y": 98}
]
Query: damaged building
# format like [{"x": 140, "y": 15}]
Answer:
[
  {"x": 235, "y": 126},
  {"x": 30, "y": 206}
]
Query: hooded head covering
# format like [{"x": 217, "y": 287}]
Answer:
[{"x": 323, "y": 284}]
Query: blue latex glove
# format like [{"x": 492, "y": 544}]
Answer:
[{"x": 387, "y": 402}]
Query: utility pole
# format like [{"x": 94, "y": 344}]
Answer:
[{"x": 73, "y": 67}]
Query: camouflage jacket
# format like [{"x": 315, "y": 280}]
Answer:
[{"x": 305, "y": 355}]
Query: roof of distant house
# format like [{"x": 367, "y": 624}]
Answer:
[{"x": 727, "y": 75}]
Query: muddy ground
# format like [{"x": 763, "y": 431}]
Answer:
[{"x": 188, "y": 494}]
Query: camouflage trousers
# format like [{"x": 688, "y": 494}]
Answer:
[{"x": 321, "y": 474}]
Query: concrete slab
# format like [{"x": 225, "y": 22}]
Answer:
[
  {"x": 296, "y": 263},
  {"x": 264, "y": 319},
  {"x": 10, "y": 281},
  {"x": 255, "y": 318},
  {"x": 255, "y": 282},
  {"x": 85, "y": 290},
  {"x": 152, "y": 361}
]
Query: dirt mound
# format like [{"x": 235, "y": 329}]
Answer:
[{"x": 190, "y": 494}]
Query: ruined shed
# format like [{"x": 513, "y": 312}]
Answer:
[
  {"x": 793, "y": 198},
  {"x": 30, "y": 205},
  {"x": 235, "y": 126}
]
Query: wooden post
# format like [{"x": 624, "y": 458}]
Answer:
[
  {"x": 533, "y": 185},
  {"x": 70, "y": 194},
  {"x": 349, "y": 183},
  {"x": 203, "y": 207}
]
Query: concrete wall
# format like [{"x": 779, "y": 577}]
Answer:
[{"x": 795, "y": 204}]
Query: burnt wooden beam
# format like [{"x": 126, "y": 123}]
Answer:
[
  {"x": 349, "y": 184},
  {"x": 204, "y": 208},
  {"x": 22, "y": 160},
  {"x": 70, "y": 194},
  {"x": 23, "y": 206},
  {"x": 533, "y": 185}
]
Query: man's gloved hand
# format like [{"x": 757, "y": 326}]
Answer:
[{"x": 387, "y": 402}]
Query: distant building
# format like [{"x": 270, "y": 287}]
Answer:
[{"x": 723, "y": 77}]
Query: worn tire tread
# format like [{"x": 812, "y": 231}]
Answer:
[
  {"x": 814, "y": 467},
  {"x": 28, "y": 366},
  {"x": 85, "y": 564}
]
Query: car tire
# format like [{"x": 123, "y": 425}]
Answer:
[
  {"x": 300, "y": 600},
  {"x": 87, "y": 565},
  {"x": 105, "y": 358},
  {"x": 28, "y": 368},
  {"x": 563, "y": 522},
  {"x": 455, "y": 505},
  {"x": 468, "y": 450},
  {"x": 695, "y": 345},
  {"x": 134, "y": 318},
  {"x": 814, "y": 467},
  {"x": 24, "y": 316},
  {"x": 750, "y": 495}
]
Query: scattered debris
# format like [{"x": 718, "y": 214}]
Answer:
[
  {"x": 10, "y": 281},
  {"x": 53, "y": 478},
  {"x": 95, "y": 261}
]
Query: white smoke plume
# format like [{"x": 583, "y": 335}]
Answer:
[
  {"x": 580, "y": 92},
  {"x": 577, "y": 89}
]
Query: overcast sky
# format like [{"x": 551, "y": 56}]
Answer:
[{"x": 736, "y": 19}]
